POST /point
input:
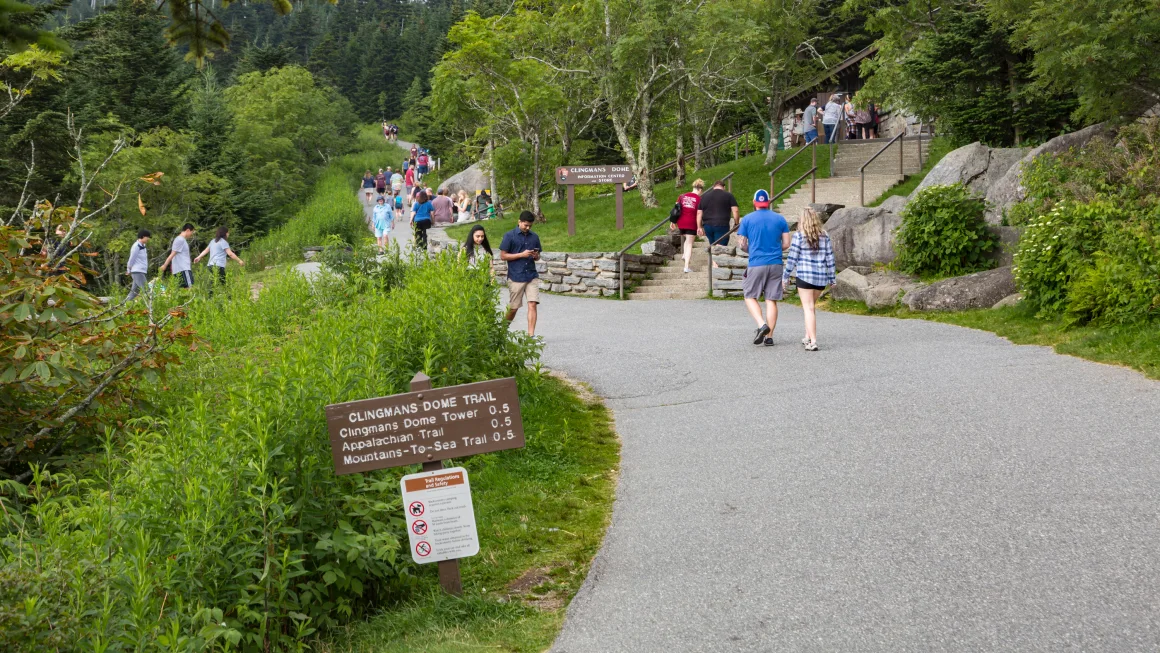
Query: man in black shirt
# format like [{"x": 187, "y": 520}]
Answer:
[{"x": 717, "y": 214}]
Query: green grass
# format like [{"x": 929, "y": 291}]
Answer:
[
  {"x": 1133, "y": 346},
  {"x": 596, "y": 216},
  {"x": 939, "y": 147},
  {"x": 542, "y": 512}
]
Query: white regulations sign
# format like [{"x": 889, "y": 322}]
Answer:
[{"x": 440, "y": 517}]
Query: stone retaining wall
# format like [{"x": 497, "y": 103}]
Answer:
[
  {"x": 586, "y": 273},
  {"x": 592, "y": 274},
  {"x": 729, "y": 273}
]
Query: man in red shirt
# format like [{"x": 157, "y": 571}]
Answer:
[{"x": 687, "y": 221}]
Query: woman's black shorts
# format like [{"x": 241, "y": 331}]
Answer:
[
  {"x": 688, "y": 232},
  {"x": 808, "y": 286}
]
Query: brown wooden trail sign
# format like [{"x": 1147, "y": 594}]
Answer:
[
  {"x": 570, "y": 176},
  {"x": 426, "y": 426}
]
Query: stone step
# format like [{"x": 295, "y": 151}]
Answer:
[
  {"x": 698, "y": 272},
  {"x": 676, "y": 284}
]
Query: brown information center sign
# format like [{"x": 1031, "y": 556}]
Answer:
[
  {"x": 425, "y": 426},
  {"x": 569, "y": 175}
]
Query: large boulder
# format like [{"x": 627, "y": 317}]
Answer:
[
  {"x": 1008, "y": 237},
  {"x": 470, "y": 180},
  {"x": 895, "y": 203},
  {"x": 975, "y": 166},
  {"x": 1008, "y": 190},
  {"x": 978, "y": 290},
  {"x": 862, "y": 236},
  {"x": 876, "y": 289}
]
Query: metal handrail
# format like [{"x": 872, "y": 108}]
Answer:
[
  {"x": 862, "y": 170},
  {"x": 813, "y": 146},
  {"x": 620, "y": 254},
  {"x": 728, "y": 179},
  {"x": 725, "y": 238}
]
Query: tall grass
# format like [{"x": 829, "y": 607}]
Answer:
[
  {"x": 333, "y": 207},
  {"x": 218, "y": 521}
]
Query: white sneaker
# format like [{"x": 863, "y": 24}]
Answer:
[
  {"x": 687, "y": 270},
  {"x": 811, "y": 346},
  {"x": 806, "y": 340}
]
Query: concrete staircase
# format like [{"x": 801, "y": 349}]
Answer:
[
  {"x": 843, "y": 187},
  {"x": 670, "y": 282}
]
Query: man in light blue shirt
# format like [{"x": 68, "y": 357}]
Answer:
[{"x": 764, "y": 234}]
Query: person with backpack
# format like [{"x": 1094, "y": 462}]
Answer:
[
  {"x": 218, "y": 250},
  {"x": 396, "y": 182},
  {"x": 381, "y": 183},
  {"x": 398, "y": 202},
  {"x": 686, "y": 210},
  {"x": 811, "y": 260},
  {"x": 421, "y": 219},
  {"x": 138, "y": 264},
  {"x": 423, "y": 162}
]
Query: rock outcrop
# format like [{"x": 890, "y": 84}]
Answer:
[
  {"x": 1008, "y": 190},
  {"x": 875, "y": 289},
  {"x": 978, "y": 290},
  {"x": 472, "y": 179},
  {"x": 976, "y": 166},
  {"x": 862, "y": 236}
]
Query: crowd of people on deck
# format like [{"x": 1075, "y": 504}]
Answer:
[{"x": 859, "y": 121}]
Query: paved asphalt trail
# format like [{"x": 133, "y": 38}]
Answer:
[{"x": 910, "y": 487}]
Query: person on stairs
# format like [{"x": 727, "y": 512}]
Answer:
[
  {"x": 716, "y": 214},
  {"x": 689, "y": 203},
  {"x": 831, "y": 116},
  {"x": 811, "y": 260}
]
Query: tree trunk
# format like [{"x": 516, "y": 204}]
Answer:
[
  {"x": 698, "y": 143},
  {"x": 566, "y": 148},
  {"x": 1014, "y": 100},
  {"x": 491, "y": 169},
  {"x": 536, "y": 175},
  {"x": 774, "y": 123},
  {"x": 647, "y": 196},
  {"x": 638, "y": 169},
  {"x": 680, "y": 176}
]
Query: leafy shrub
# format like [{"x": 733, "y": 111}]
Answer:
[
  {"x": 943, "y": 233},
  {"x": 1121, "y": 285},
  {"x": 1091, "y": 247},
  {"x": 1055, "y": 248},
  {"x": 220, "y": 521}
]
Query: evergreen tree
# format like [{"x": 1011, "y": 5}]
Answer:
[
  {"x": 125, "y": 67},
  {"x": 209, "y": 121}
]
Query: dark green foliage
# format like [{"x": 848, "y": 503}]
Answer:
[
  {"x": 1091, "y": 248},
  {"x": 209, "y": 121},
  {"x": 221, "y": 518},
  {"x": 943, "y": 233},
  {"x": 124, "y": 67},
  {"x": 969, "y": 78}
]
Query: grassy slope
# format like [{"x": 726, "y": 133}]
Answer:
[
  {"x": 1136, "y": 347},
  {"x": 541, "y": 512},
  {"x": 333, "y": 207},
  {"x": 596, "y": 217}
]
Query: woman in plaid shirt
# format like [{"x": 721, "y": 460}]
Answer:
[{"x": 811, "y": 255}]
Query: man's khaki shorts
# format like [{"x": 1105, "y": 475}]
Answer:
[{"x": 517, "y": 291}]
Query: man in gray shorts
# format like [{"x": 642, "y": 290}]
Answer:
[{"x": 765, "y": 234}]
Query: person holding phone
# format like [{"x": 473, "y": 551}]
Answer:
[{"x": 520, "y": 249}]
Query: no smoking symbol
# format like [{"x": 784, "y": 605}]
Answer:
[
  {"x": 416, "y": 508},
  {"x": 419, "y": 527},
  {"x": 423, "y": 549}
]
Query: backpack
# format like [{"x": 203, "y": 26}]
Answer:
[
  {"x": 422, "y": 159},
  {"x": 675, "y": 213}
]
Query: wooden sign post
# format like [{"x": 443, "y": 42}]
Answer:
[
  {"x": 570, "y": 176},
  {"x": 427, "y": 426}
]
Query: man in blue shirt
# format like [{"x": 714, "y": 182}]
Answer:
[
  {"x": 764, "y": 233},
  {"x": 521, "y": 249}
]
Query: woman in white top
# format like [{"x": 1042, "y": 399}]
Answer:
[
  {"x": 218, "y": 250},
  {"x": 477, "y": 249},
  {"x": 463, "y": 200}
]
